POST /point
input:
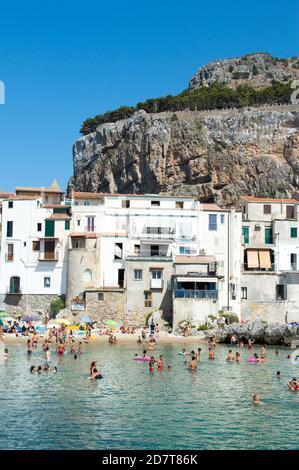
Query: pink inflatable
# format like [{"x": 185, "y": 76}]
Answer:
[
  {"x": 252, "y": 359},
  {"x": 142, "y": 358}
]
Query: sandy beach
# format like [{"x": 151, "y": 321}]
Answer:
[{"x": 122, "y": 338}]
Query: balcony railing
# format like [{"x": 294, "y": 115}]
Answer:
[
  {"x": 196, "y": 294},
  {"x": 48, "y": 256},
  {"x": 156, "y": 283},
  {"x": 246, "y": 268}
]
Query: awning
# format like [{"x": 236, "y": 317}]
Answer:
[
  {"x": 265, "y": 259},
  {"x": 252, "y": 259},
  {"x": 197, "y": 279}
]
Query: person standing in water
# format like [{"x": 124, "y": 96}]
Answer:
[
  {"x": 160, "y": 363},
  {"x": 192, "y": 364}
]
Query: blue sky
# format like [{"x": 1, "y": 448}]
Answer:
[{"x": 62, "y": 62}]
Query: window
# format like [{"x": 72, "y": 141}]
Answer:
[
  {"x": 101, "y": 296},
  {"x": 125, "y": 204},
  {"x": 9, "y": 229},
  {"x": 213, "y": 222},
  {"x": 147, "y": 298},
  {"x": 14, "y": 285},
  {"x": 36, "y": 245},
  {"x": 118, "y": 251},
  {"x": 268, "y": 235},
  {"x": 293, "y": 232},
  {"x": 87, "y": 275},
  {"x": 136, "y": 249},
  {"x": 9, "y": 256},
  {"x": 47, "y": 282},
  {"x": 39, "y": 227},
  {"x": 25, "y": 244},
  {"x": 293, "y": 261},
  {"x": 50, "y": 228},
  {"x": 154, "y": 250},
  {"x": 78, "y": 242},
  {"x": 137, "y": 274},
  {"x": 78, "y": 222},
  {"x": 281, "y": 292},
  {"x": 157, "y": 274},
  {"x": 10, "y": 204},
  {"x": 179, "y": 205},
  {"x": 222, "y": 218},
  {"x": 267, "y": 209},
  {"x": 185, "y": 250},
  {"x": 67, "y": 224},
  {"x": 243, "y": 292},
  {"x": 90, "y": 224},
  {"x": 86, "y": 203},
  {"x": 155, "y": 203},
  {"x": 245, "y": 233},
  {"x": 290, "y": 212}
]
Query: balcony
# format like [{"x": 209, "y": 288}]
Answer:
[
  {"x": 156, "y": 283},
  {"x": 247, "y": 269},
  {"x": 48, "y": 256},
  {"x": 157, "y": 233},
  {"x": 196, "y": 294}
]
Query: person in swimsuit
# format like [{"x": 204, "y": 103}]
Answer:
[
  {"x": 48, "y": 355},
  {"x": 250, "y": 343},
  {"x": 160, "y": 363},
  {"x": 230, "y": 357},
  {"x": 96, "y": 375},
  {"x": 29, "y": 350},
  {"x": 192, "y": 365},
  {"x": 80, "y": 348},
  {"x": 152, "y": 364},
  {"x": 238, "y": 357},
  {"x": 34, "y": 340},
  {"x": 197, "y": 355},
  {"x": 32, "y": 369},
  {"x": 211, "y": 354},
  {"x": 60, "y": 350},
  {"x": 263, "y": 352}
]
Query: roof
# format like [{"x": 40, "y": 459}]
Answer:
[
  {"x": 6, "y": 195},
  {"x": 181, "y": 259},
  {"x": 56, "y": 206},
  {"x": 266, "y": 199},
  {"x": 23, "y": 197},
  {"x": 84, "y": 235},
  {"x": 58, "y": 217},
  {"x": 90, "y": 195},
  {"x": 54, "y": 188}
]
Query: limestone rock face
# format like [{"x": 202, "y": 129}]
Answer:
[
  {"x": 257, "y": 70},
  {"x": 215, "y": 155}
]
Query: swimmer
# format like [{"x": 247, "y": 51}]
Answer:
[
  {"x": 96, "y": 374},
  {"x": 54, "y": 370},
  {"x": 211, "y": 354},
  {"x": 278, "y": 375},
  {"x": 192, "y": 365},
  {"x": 92, "y": 367},
  {"x": 75, "y": 356},
  {"x": 143, "y": 353},
  {"x": 160, "y": 363},
  {"x": 263, "y": 352},
  {"x": 29, "y": 350},
  {"x": 5, "y": 355},
  {"x": 230, "y": 357},
  {"x": 152, "y": 364},
  {"x": 48, "y": 355},
  {"x": 169, "y": 368},
  {"x": 238, "y": 357},
  {"x": 46, "y": 368},
  {"x": 32, "y": 369},
  {"x": 256, "y": 399},
  {"x": 197, "y": 355},
  {"x": 80, "y": 348},
  {"x": 293, "y": 384},
  {"x": 39, "y": 369}
]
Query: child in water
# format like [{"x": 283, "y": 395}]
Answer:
[
  {"x": 152, "y": 364},
  {"x": 256, "y": 399},
  {"x": 5, "y": 355}
]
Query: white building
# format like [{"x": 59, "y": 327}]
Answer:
[
  {"x": 270, "y": 268},
  {"x": 34, "y": 236},
  {"x": 124, "y": 253}
]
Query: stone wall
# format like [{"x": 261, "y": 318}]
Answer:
[{"x": 15, "y": 304}]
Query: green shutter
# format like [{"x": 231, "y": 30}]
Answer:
[
  {"x": 67, "y": 225},
  {"x": 268, "y": 236},
  {"x": 245, "y": 233},
  {"x": 50, "y": 228},
  {"x": 293, "y": 232}
]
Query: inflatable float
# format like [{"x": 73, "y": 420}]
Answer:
[
  {"x": 142, "y": 358},
  {"x": 252, "y": 360}
]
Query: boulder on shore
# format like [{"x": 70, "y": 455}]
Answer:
[{"x": 259, "y": 331}]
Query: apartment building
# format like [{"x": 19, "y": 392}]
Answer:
[
  {"x": 34, "y": 235},
  {"x": 270, "y": 268}
]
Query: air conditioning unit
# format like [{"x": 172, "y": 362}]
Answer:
[{"x": 257, "y": 228}]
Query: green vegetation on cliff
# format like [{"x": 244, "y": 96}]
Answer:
[{"x": 217, "y": 96}]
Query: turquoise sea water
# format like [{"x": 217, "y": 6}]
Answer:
[{"x": 133, "y": 409}]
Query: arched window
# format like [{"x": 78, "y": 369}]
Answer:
[{"x": 87, "y": 276}]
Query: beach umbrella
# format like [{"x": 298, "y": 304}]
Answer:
[
  {"x": 63, "y": 321},
  {"x": 85, "y": 319}
]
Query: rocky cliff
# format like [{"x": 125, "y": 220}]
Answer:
[
  {"x": 256, "y": 70},
  {"x": 215, "y": 155}
]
